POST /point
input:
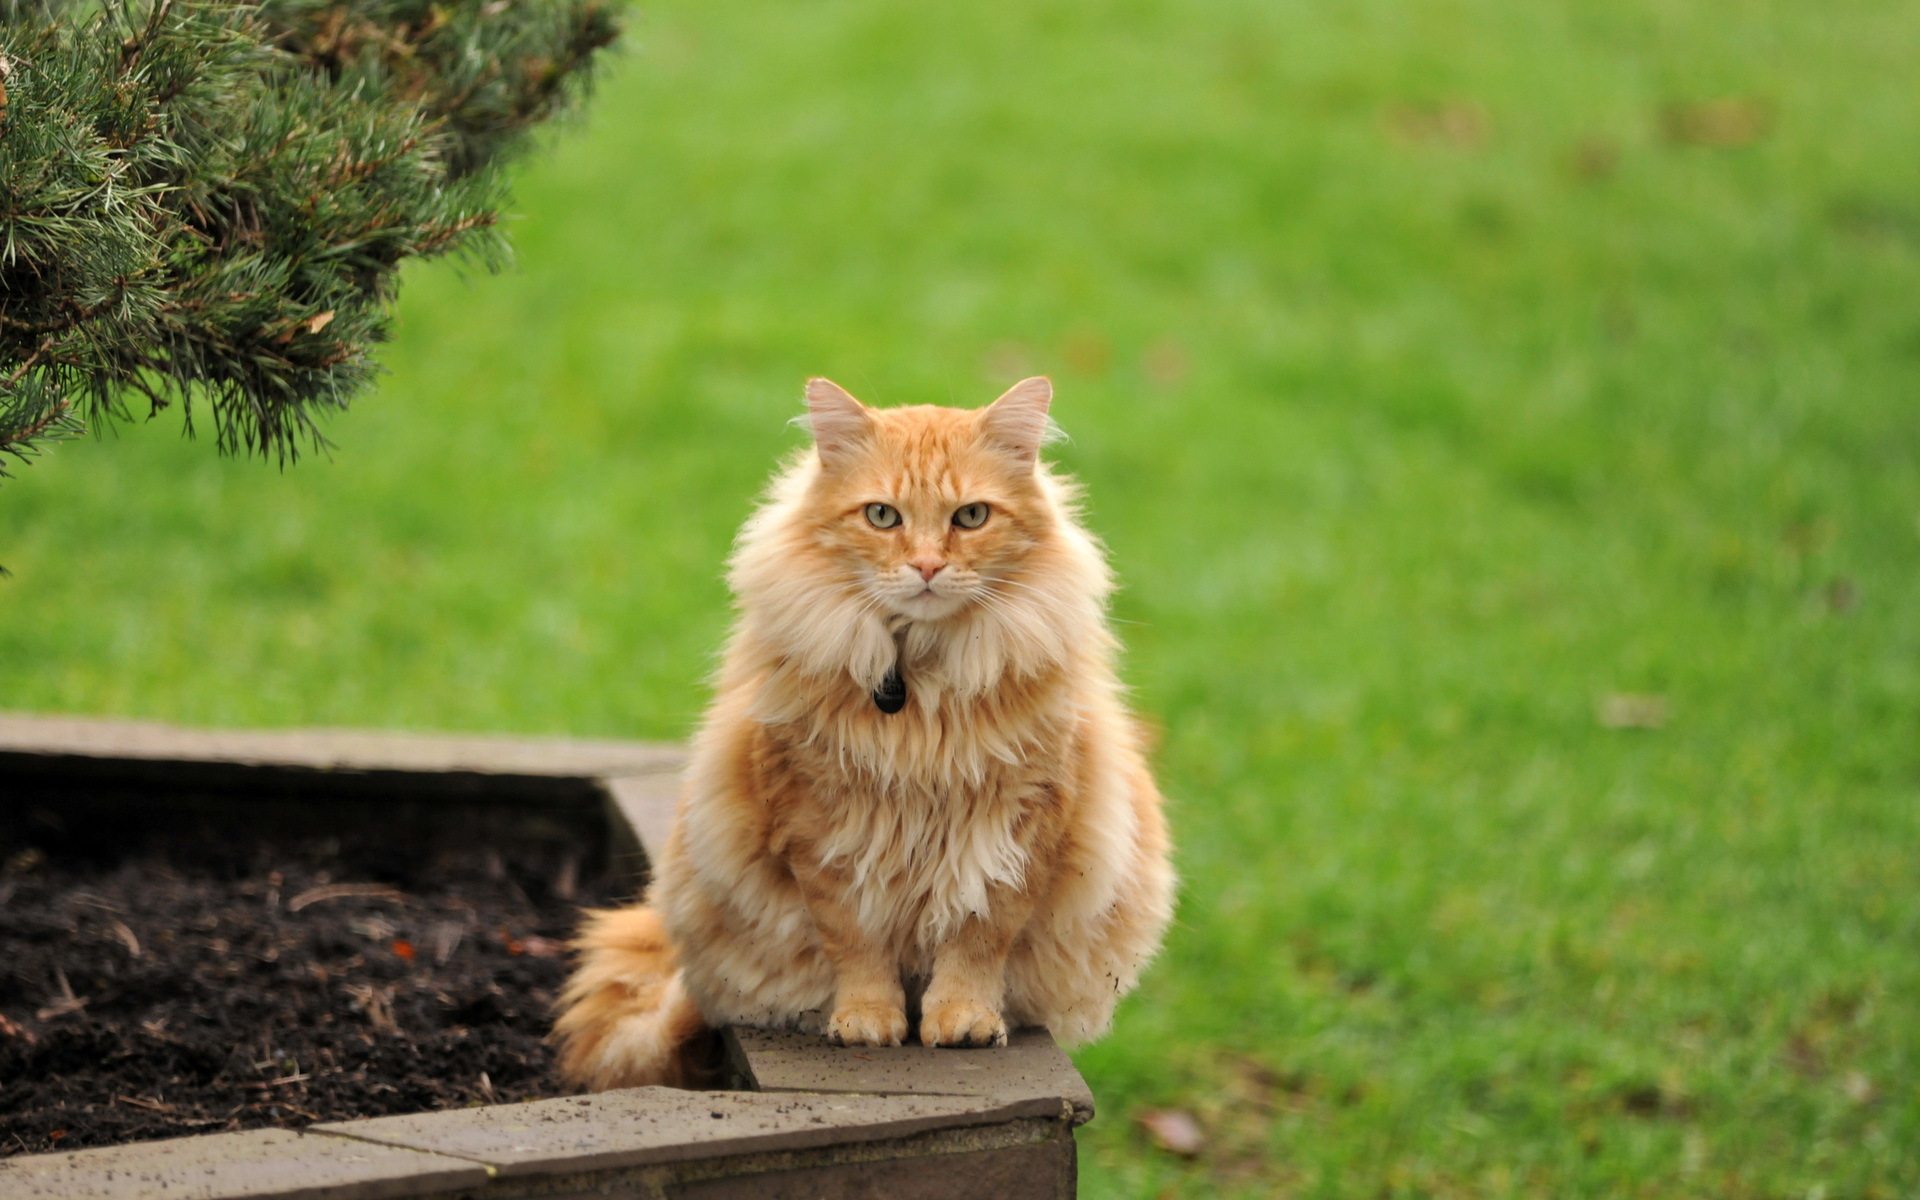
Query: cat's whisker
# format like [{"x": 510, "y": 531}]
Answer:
[
  {"x": 1039, "y": 599},
  {"x": 1016, "y": 621},
  {"x": 1054, "y": 599},
  {"x": 1046, "y": 595},
  {"x": 1106, "y": 616}
]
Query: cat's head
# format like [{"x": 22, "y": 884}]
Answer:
[
  {"x": 939, "y": 527},
  {"x": 930, "y": 508}
]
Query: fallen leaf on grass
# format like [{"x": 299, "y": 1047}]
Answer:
[
  {"x": 1461, "y": 123},
  {"x": 1174, "y": 1130},
  {"x": 1088, "y": 352},
  {"x": 1595, "y": 158},
  {"x": 1166, "y": 364},
  {"x": 1843, "y": 595},
  {"x": 1860, "y": 1088},
  {"x": 1725, "y": 124},
  {"x": 1628, "y": 710}
]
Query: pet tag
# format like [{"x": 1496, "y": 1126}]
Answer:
[{"x": 891, "y": 695}]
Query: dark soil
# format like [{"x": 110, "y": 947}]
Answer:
[{"x": 192, "y": 983}]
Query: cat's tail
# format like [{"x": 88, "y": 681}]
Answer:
[{"x": 625, "y": 1017}]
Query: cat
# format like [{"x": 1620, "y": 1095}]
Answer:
[{"x": 917, "y": 789}]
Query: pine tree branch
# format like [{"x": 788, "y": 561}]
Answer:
[
  {"x": 33, "y": 429},
  {"x": 20, "y": 372},
  {"x": 131, "y": 49},
  {"x": 208, "y": 201}
]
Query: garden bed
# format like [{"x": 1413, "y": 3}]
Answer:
[
  {"x": 427, "y": 880},
  {"x": 238, "y": 975}
]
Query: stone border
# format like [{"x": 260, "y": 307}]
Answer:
[{"x": 808, "y": 1119}]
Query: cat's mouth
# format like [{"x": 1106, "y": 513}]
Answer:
[{"x": 929, "y": 603}]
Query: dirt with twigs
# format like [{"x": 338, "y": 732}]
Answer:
[{"x": 191, "y": 985}]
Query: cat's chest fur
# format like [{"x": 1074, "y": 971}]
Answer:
[
  {"x": 925, "y": 812},
  {"x": 919, "y": 862}
]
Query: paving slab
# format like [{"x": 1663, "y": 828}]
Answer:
[
  {"x": 267, "y": 1164},
  {"x": 1030, "y": 1070},
  {"x": 645, "y": 805},
  {"x": 645, "y": 1126},
  {"x": 69, "y": 743}
]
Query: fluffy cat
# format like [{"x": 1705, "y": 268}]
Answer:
[{"x": 984, "y": 850}]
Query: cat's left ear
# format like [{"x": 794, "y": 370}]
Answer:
[
  {"x": 1017, "y": 421},
  {"x": 839, "y": 421}
]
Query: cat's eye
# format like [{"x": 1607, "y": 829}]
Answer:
[
  {"x": 970, "y": 516},
  {"x": 882, "y": 516}
]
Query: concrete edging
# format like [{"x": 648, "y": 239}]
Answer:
[{"x": 810, "y": 1120}]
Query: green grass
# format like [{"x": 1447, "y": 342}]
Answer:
[{"x": 1428, "y": 387}]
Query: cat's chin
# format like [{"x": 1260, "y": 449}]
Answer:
[{"x": 929, "y": 606}]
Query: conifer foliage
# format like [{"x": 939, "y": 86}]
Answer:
[{"x": 208, "y": 201}]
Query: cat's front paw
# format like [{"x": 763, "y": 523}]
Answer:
[
  {"x": 962, "y": 1023},
  {"x": 867, "y": 1025}
]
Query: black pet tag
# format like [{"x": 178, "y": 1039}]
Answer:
[{"x": 891, "y": 695}]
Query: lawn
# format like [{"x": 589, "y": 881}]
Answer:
[{"x": 1441, "y": 371}]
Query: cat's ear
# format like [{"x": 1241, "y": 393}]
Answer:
[
  {"x": 1017, "y": 421},
  {"x": 839, "y": 422}
]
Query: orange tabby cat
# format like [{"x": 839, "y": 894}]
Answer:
[{"x": 917, "y": 789}]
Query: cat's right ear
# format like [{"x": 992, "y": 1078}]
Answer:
[
  {"x": 839, "y": 422},
  {"x": 1017, "y": 421}
]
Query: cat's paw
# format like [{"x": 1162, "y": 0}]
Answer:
[
  {"x": 962, "y": 1023},
  {"x": 867, "y": 1025}
]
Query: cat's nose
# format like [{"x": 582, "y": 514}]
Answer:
[{"x": 928, "y": 567}]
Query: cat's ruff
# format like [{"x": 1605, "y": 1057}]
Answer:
[{"x": 989, "y": 853}]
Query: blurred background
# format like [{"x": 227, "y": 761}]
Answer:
[{"x": 1502, "y": 417}]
